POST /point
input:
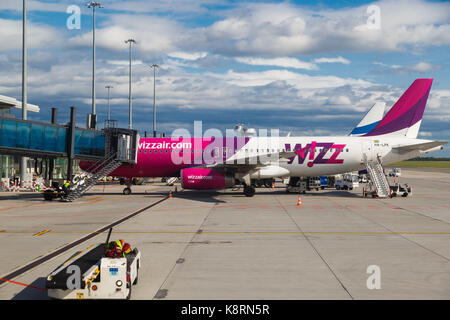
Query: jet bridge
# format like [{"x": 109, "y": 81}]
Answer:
[{"x": 50, "y": 140}]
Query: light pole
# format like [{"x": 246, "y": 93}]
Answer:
[
  {"x": 93, "y": 5},
  {"x": 130, "y": 110},
  {"x": 23, "y": 160},
  {"x": 109, "y": 106},
  {"x": 154, "y": 66}
]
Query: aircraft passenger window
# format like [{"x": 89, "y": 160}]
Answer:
[
  {"x": 145, "y": 151},
  {"x": 346, "y": 150},
  {"x": 140, "y": 151}
]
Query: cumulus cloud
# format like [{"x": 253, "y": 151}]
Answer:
[
  {"x": 278, "y": 62},
  {"x": 162, "y": 38},
  {"x": 420, "y": 67},
  {"x": 332, "y": 60},
  {"x": 39, "y": 36},
  {"x": 188, "y": 55},
  {"x": 285, "y": 29}
]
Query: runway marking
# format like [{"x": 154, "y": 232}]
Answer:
[
  {"x": 78, "y": 254},
  {"x": 41, "y": 233},
  {"x": 57, "y": 252},
  {"x": 95, "y": 198},
  {"x": 23, "y": 284},
  {"x": 232, "y": 232}
]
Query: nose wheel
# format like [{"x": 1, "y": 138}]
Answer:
[
  {"x": 249, "y": 191},
  {"x": 127, "y": 191}
]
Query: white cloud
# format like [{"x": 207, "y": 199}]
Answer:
[
  {"x": 39, "y": 36},
  {"x": 278, "y": 62},
  {"x": 285, "y": 29},
  {"x": 188, "y": 55},
  {"x": 420, "y": 67},
  {"x": 153, "y": 35},
  {"x": 332, "y": 60}
]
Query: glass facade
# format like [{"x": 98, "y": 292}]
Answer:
[{"x": 88, "y": 142}]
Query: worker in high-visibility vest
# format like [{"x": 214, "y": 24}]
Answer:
[
  {"x": 66, "y": 187},
  {"x": 117, "y": 249}
]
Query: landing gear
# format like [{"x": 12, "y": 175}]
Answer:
[
  {"x": 127, "y": 191},
  {"x": 249, "y": 191}
]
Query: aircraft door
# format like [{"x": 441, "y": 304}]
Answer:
[{"x": 367, "y": 149}]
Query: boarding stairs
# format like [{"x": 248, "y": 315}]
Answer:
[
  {"x": 377, "y": 177},
  {"x": 89, "y": 178}
]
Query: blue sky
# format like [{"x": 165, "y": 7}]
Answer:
[{"x": 311, "y": 68}]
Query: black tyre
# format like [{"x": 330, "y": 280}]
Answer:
[
  {"x": 249, "y": 191},
  {"x": 129, "y": 293},
  {"x": 127, "y": 191}
]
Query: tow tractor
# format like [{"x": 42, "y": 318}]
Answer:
[
  {"x": 93, "y": 275},
  {"x": 54, "y": 192}
]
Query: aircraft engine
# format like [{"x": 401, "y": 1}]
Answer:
[
  {"x": 205, "y": 179},
  {"x": 270, "y": 172}
]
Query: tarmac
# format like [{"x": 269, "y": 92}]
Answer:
[{"x": 223, "y": 245}]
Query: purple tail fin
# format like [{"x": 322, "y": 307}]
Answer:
[{"x": 406, "y": 112}]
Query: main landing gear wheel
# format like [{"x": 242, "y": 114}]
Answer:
[
  {"x": 127, "y": 191},
  {"x": 249, "y": 191}
]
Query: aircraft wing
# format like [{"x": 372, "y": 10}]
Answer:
[{"x": 420, "y": 146}]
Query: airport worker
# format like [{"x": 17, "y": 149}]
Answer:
[
  {"x": 116, "y": 249},
  {"x": 126, "y": 249},
  {"x": 66, "y": 186}
]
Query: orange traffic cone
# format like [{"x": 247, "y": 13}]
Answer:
[
  {"x": 299, "y": 202},
  {"x": 170, "y": 194},
  {"x": 273, "y": 186}
]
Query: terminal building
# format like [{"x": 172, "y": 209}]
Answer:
[{"x": 9, "y": 164}]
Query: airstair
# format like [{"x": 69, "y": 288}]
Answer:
[
  {"x": 120, "y": 149},
  {"x": 377, "y": 176},
  {"x": 89, "y": 178}
]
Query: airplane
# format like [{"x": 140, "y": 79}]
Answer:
[
  {"x": 211, "y": 163},
  {"x": 367, "y": 123}
]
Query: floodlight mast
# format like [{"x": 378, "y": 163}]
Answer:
[
  {"x": 154, "y": 66},
  {"x": 93, "y": 5},
  {"x": 109, "y": 106},
  {"x": 130, "y": 105}
]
